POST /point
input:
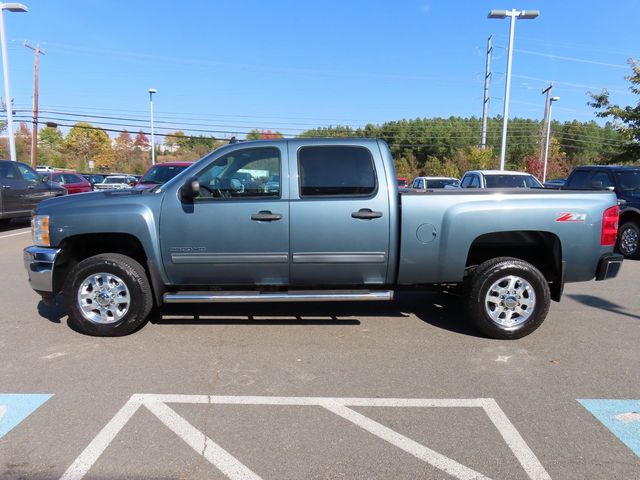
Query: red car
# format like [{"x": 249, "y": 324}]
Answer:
[
  {"x": 403, "y": 182},
  {"x": 161, "y": 173},
  {"x": 72, "y": 182}
]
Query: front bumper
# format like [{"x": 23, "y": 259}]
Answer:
[
  {"x": 39, "y": 262},
  {"x": 609, "y": 266}
]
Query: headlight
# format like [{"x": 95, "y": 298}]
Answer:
[{"x": 40, "y": 230}]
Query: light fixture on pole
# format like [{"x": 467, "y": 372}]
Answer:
[
  {"x": 546, "y": 143},
  {"x": 153, "y": 143},
  {"x": 513, "y": 15},
  {"x": 12, "y": 7}
]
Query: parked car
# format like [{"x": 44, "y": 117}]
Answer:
[
  {"x": 403, "y": 182},
  {"x": 625, "y": 182},
  {"x": 72, "y": 182},
  {"x": 161, "y": 173},
  {"x": 428, "y": 183},
  {"x": 116, "y": 182},
  {"x": 556, "y": 184},
  {"x": 499, "y": 179},
  {"x": 21, "y": 189},
  {"x": 93, "y": 178},
  {"x": 335, "y": 230}
]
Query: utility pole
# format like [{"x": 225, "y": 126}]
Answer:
[
  {"x": 545, "y": 121},
  {"x": 34, "y": 131},
  {"x": 485, "y": 103}
]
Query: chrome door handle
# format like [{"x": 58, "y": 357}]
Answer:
[
  {"x": 366, "y": 214},
  {"x": 6, "y": 187},
  {"x": 265, "y": 216}
]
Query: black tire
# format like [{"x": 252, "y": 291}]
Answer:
[
  {"x": 629, "y": 240},
  {"x": 525, "y": 321},
  {"x": 139, "y": 295}
]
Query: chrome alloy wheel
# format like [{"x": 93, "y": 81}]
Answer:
[
  {"x": 103, "y": 298},
  {"x": 510, "y": 301},
  {"x": 629, "y": 241}
]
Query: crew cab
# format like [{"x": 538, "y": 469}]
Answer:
[
  {"x": 21, "y": 189},
  {"x": 625, "y": 182},
  {"x": 331, "y": 226}
]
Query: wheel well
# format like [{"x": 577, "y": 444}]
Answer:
[
  {"x": 541, "y": 249},
  {"x": 629, "y": 215},
  {"x": 76, "y": 248}
]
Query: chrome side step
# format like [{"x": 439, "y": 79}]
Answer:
[{"x": 291, "y": 296}]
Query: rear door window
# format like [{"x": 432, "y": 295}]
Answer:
[
  {"x": 8, "y": 171},
  {"x": 601, "y": 177},
  {"x": 343, "y": 171}
]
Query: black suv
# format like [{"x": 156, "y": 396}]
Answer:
[{"x": 625, "y": 181}]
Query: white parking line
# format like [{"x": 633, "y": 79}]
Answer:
[
  {"x": 15, "y": 234},
  {"x": 234, "y": 469}
]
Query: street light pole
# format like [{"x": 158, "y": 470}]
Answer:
[
  {"x": 12, "y": 7},
  {"x": 513, "y": 15},
  {"x": 153, "y": 143},
  {"x": 546, "y": 143}
]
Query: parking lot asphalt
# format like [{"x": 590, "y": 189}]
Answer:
[{"x": 406, "y": 389}]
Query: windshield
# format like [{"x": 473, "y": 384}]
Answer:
[
  {"x": 115, "y": 180},
  {"x": 628, "y": 180},
  {"x": 511, "y": 181},
  {"x": 441, "y": 183},
  {"x": 162, "y": 173},
  {"x": 402, "y": 182}
]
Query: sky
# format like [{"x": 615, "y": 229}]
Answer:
[{"x": 224, "y": 67}]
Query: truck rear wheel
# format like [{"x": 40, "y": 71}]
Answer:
[
  {"x": 508, "y": 298},
  {"x": 107, "y": 295},
  {"x": 629, "y": 240}
]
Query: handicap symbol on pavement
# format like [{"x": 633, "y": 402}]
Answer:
[
  {"x": 621, "y": 417},
  {"x": 15, "y": 407}
]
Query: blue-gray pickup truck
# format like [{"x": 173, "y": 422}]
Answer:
[{"x": 311, "y": 220}]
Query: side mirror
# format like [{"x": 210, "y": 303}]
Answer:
[
  {"x": 597, "y": 185},
  {"x": 191, "y": 188},
  {"x": 610, "y": 188}
]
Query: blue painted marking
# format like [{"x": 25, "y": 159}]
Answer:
[
  {"x": 621, "y": 417},
  {"x": 15, "y": 407}
]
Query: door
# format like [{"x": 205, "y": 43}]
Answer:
[
  {"x": 12, "y": 188},
  {"x": 236, "y": 233},
  {"x": 35, "y": 190},
  {"x": 339, "y": 215}
]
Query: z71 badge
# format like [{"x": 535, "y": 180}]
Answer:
[{"x": 572, "y": 217}]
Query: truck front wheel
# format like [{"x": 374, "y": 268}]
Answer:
[
  {"x": 508, "y": 298},
  {"x": 107, "y": 295}
]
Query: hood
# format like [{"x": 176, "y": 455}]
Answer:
[{"x": 86, "y": 200}]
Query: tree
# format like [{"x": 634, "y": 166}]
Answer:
[
  {"x": 23, "y": 143},
  {"x": 86, "y": 142},
  {"x": 123, "y": 147},
  {"x": 141, "y": 141},
  {"x": 557, "y": 166},
  {"x": 256, "y": 134},
  {"x": 50, "y": 137},
  {"x": 627, "y": 119}
]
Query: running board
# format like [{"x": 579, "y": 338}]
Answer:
[{"x": 291, "y": 296}]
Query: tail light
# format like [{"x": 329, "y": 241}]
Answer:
[{"x": 610, "y": 219}]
